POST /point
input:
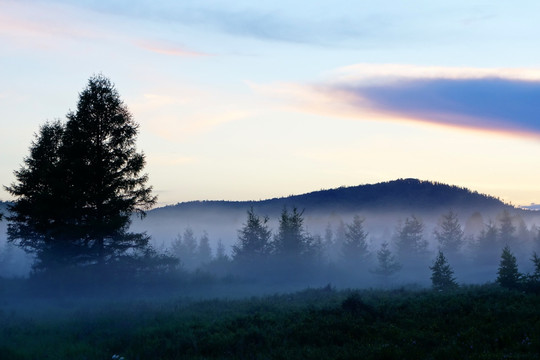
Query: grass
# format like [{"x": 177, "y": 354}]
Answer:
[{"x": 477, "y": 322}]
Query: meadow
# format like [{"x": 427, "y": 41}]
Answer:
[{"x": 472, "y": 322}]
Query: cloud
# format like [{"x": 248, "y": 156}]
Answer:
[
  {"x": 169, "y": 49},
  {"x": 499, "y": 100},
  {"x": 184, "y": 112},
  {"x": 49, "y": 24},
  {"x": 260, "y": 21}
]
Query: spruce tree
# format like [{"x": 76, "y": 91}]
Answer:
[
  {"x": 536, "y": 262},
  {"x": 533, "y": 280},
  {"x": 487, "y": 244},
  {"x": 82, "y": 182},
  {"x": 508, "y": 275},
  {"x": 204, "y": 251},
  {"x": 253, "y": 239},
  {"x": 410, "y": 238},
  {"x": 188, "y": 252},
  {"x": 449, "y": 233},
  {"x": 291, "y": 240},
  {"x": 507, "y": 230},
  {"x": 38, "y": 217},
  {"x": 387, "y": 263},
  {"x": 442, "y": 275},
  {"x": 355, "y": 247}
]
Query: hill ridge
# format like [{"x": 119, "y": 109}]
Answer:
[{"x": 399, "y": 194}]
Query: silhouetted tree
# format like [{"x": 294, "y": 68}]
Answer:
[
  {"x": 449, "y": 233},
  {"x": 474, "y": 224},
  {"x": 220, "y": 264},
  {"x": 78, "y": 189},
  {"x": 220, "y": 251},
  {"x": 410, "y": 238},
  {"x": 355, "y": 246},
  {"x": 507, "y": 231},
  {"x": 536, "y": 262},
  {"x": 38, "y": 216},
  {"x": 442, "y": 275},
  {"x": 333, "y": 241},
  {"x": 253, "y": 239},
  {"x": 536, "y": 238},
  {"x": 204, "y": 251},
  {"x": 315, "y": 249},
  {"x": 487, "y": 245},
  {"x": 291, "y": 239},
  {"x": 508, "y": 275},
  {"x": 387, "y": 264},
  {"x": 328, "y": 241},
  {"x": 531, "y": 282},
  {"x": 184, "y": 247}
]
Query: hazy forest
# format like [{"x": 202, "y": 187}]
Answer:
[{"x": 407, "y": 269}]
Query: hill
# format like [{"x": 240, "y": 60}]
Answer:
[
  {"x": 410, "y": 195},
  {"x": 382, "y": 204}
]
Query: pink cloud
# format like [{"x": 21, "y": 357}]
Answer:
[
  {"x": 487, "y": 100},
  {"x": 169, "y": 49}
]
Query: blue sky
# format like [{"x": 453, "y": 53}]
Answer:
[{"x": 241, "y": 100}]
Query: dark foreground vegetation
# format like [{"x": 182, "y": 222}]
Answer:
[{"x": 477, "y": 322}]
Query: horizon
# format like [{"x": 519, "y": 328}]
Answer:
[
  {"x": 337, "y": 188},
  {"x": 242, "y": 101}
]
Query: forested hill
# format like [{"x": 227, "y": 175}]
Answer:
[{"x": 403, "y": 195}]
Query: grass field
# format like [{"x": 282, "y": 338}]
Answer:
[{"x": 477, "y": 322}]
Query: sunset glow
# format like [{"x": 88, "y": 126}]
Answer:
[{"x": 244, "y": 101}]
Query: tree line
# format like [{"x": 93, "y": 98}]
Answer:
[
  {"x": 84, "y": 179},
  {"x": 259, "y": 250}
]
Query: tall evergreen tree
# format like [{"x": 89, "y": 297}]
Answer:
[
  {"x": 507, "y": 230},
  {"x": 410, "y": 238},
  {"x": 184, "y": 248},
  {"x": 291, "y": 239},
  {"x": 253, "y": 239},
  {"x": 204, "y": 251},
  {"x": 449, "y": 233},
  {"x": 78, "y": 189},
  {"x": 355, "y": 247},
  {"x": 220, "y": 251},
  {"x": 536, "y": 262},
  {"x": 38, "y": 217},
  {"x": 487, "y": 244},
  {"x": 442, "y": 275},
  {"x": 508, "y": 275}
]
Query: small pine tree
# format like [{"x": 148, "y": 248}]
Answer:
[
  {"x": 387, "y": 264},
  {"x": 531, "y": 282},
  {"x": 184, "y": 248},
  {"x": 508, "y": 274},
  {"x": 442, "y": 275},
  {"x": 410, "y": 238},
  {"x": 355, "y": 247},
  {"x": 253, "y": 239},
  {"x": 291, "y": 240},
  {"x": 204, "y": 251},
  {"x": 449, "y": 233},
  {"x": 535, "y": 277},
  {"x": 507, "y": 230},
  {"x": 220, "y": 251}
]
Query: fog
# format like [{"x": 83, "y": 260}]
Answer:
[
  {"x": 469, "y": 263},
  {"x": 216, "y": 272}
]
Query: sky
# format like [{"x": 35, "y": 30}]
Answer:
[{"x": 243, "y": 100}]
